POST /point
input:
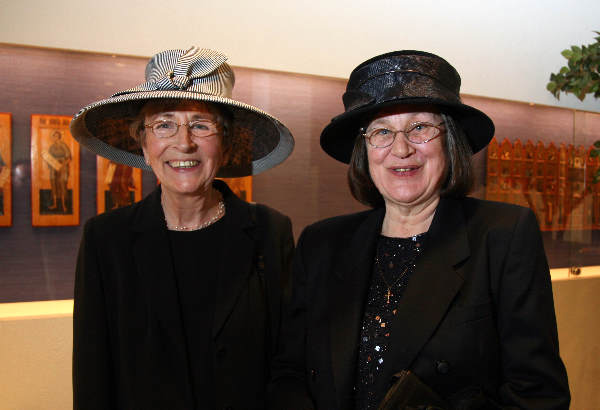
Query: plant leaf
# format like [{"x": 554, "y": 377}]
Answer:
[{"x": 580, "y": 75}]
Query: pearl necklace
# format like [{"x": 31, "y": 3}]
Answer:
[{"x": 220, "y": 212}]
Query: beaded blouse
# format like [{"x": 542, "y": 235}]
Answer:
[{"x": 393, "y": 265}]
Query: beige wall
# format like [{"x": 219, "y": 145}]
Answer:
[
  {"x": 577, "y": 312},
  {"x": 35, "y": 355},
  {"x": 35, "y": 349}
]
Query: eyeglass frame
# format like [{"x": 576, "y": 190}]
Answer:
[
  {"x": 152, "y": 124},
  {"x": 363, "y": 132}
]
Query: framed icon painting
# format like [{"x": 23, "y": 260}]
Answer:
[
  {"x": 54, "y": 172},
  {"x": 242, "y": 187},
  {"x": 5, "y": 169},
  {"x": 117, "y": 185}
]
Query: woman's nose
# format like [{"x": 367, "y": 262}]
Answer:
[
  {"x": 184, "y": 139},
  {"x": 401, "y": 147}
]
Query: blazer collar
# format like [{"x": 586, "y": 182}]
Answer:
[
  {"x": 361, "y": 246},
  {"x": 348, "y": 287},
  {"x": 236, "y": 256},
  {"x": 149, "y": 215}
]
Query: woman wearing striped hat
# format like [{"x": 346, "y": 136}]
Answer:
[{"x": 177, "y": 297}]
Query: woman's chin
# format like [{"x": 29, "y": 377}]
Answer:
[
  {"x": 187, "y": 189},
  {"x": 410, "y": 198}
]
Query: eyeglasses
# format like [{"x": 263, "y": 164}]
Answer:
[
  {"x": 168, "y": 128},
  {"x": 417, "y": 133}
]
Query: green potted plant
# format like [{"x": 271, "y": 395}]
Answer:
[{"x": 580, "y": 77}]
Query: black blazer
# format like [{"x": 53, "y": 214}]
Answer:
[
  {"x": 128, "y": 341},
  {"x": 476, "y": 321}
]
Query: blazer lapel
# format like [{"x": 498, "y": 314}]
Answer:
[
  {"x": 236, "y": 256},
  {"x": 154, "y": 266},
  {"x": 153, "y": 259},
  {"x": 432, "y": 287},
  {"x": 348, "y": 286}
]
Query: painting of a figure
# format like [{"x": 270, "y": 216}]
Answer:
[
  {"x": 57, "y": 159},
  {"x": 5, "y": 170},
  {"x": 3, "y": 167},
  {"x": 54, "y": 172},
  {"x": 117, "y": 185}
]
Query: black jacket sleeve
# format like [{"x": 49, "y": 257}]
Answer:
[
  {"x": 534, "y": 376},
  {"x": 92, "y": 387},
  {"x": 287, "y": 389}
]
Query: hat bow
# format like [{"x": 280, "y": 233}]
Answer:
[{"x": 186, "y": 71}]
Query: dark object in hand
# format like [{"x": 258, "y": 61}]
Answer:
[{"x": 410, "y": 393}]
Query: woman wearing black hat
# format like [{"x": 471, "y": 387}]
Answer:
[
  {"x": 177, "y": 297},
  {"x": 431, "y": 298}
]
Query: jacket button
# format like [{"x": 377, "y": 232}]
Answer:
[
  {"x": 313, "y": 374},
  {"x": 221, "y": 353},
  {"x": 442, "y": 366}
]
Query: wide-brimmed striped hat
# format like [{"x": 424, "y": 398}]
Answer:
[{"x": 258, "y": 140}]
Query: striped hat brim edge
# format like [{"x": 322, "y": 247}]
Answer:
[{"x": 283, "y": 147}]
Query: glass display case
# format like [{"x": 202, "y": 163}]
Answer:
[{"x": 540, "y": 158}]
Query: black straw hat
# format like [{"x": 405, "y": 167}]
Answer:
[
  {"x": 259, "y": 140},
  {"x": 401, "y": 78}
]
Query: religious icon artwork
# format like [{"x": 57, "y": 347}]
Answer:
[
  {"x": 117, "y": 185},
  {"x": 242, "y": 187},
  {"x": 5, "y": 170},
  {"x": 54, "y": 172}
]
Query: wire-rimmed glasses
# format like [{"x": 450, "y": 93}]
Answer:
[
  {"x": 168, "y": 128},
  {"x": 417, "y": 133}
]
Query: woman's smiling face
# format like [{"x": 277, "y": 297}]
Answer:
[
  {"x": 185, "y": 164},
  {"x": 406, "y": 173}
]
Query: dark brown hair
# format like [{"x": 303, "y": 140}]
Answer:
[{"x": 459, "y": 174}]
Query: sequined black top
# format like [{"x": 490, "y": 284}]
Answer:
[{"x": 394, "y": 263}]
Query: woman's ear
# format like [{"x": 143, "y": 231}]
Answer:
[{"x": 145, "y": 155}]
